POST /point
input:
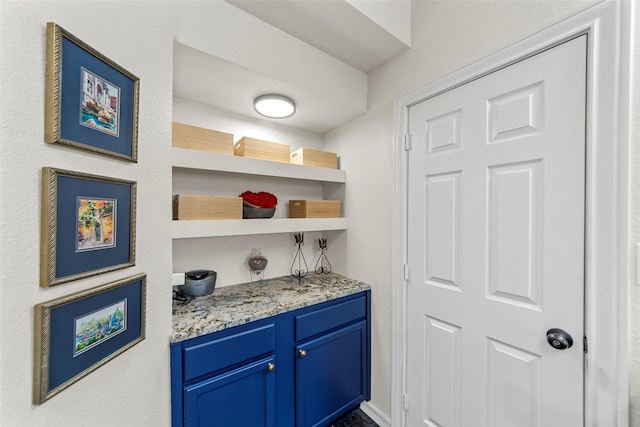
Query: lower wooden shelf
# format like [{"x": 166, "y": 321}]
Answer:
[{"x": 243, "y": 227}]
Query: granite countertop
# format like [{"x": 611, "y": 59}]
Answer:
[{"x": 235, "y": 305}]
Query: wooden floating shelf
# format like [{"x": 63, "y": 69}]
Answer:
[
  {"x": 243, "y": 227},
  {"x": 193, "y": 159}
]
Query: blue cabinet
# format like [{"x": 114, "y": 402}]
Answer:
[
  {"x": 331, "y": 375},
  {"x": 224, "y": 399},
  {"x": 301, "y": 368}
]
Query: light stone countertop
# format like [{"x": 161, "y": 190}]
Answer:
[{"x": 235, "y": 305}]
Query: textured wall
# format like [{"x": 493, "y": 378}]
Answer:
[
  {"x": 634, "y": 288},
  {"x": 132, "y": 389}
]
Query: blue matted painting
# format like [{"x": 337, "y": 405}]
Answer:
[
  {"x": 76, "y": 334},
  {"x": 91, "y": 103},
  {"x": 88, "y": 225}
]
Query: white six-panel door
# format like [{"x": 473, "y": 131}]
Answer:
[{"x": 496, "y": 184}]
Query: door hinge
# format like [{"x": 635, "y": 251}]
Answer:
[
  {"x": 405, "y": 402},
  {"x": 407, "y": 142},
  {"x": 585, "y": 344},
  {"x": 406, "y": 272}
]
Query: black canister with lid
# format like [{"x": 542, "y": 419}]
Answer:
[{"x": 198, "y": 283}]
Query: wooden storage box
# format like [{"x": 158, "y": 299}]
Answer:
[
  {"x": 190, "y": 206},
  {"x": 195, "y": 138},
  {"x": 314, "y": 208},
  {"x": 317, "y": 158},
  {"x": 259, "y": 149}
]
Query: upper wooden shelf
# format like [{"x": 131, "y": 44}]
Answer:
[{"x": 192, "y": 159}]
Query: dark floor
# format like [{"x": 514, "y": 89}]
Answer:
[{"x": 355, "y": 418}]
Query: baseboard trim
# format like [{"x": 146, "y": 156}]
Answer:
[{"x": 375, "y": 414}]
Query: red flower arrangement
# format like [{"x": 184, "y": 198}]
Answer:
[{"x": 259, "y": 200}]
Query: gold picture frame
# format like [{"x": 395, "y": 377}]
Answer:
[
  {"x": 88, "y": 225},
  {"x": 71, "y": 339},
  {"x": 91, "y": 103}
]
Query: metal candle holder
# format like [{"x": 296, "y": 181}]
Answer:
[
  {"x": 321, "y": 268},
  {"x": 299, "y": 260}
]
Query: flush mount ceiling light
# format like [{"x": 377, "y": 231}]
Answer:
[{"x": 274, "y": 106}]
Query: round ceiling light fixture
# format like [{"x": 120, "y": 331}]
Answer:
[{"x": 274, "y": 106}]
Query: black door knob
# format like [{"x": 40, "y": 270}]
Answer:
[{"x": 559, "y": 339}]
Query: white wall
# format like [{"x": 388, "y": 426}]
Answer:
[
  {"x": 365, "y": 152},
  {"x": 634, "y": 287},
  {"x": 446, "y": 36},
  {"x": 132, "y": 389}
]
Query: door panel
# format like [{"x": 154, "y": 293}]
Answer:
[
  {"x": 516, "y": 114},
  {"x": 442, "y": 364},
  {"x": 443, "y": 133},
  {"x": 496, "y": 247},
  {"x": 330, "y": 375},
  {"x": 443, "y": 250},
  {"x": 515, "y": 232},
  {"x": 240, "y": 398},
  {"x": 505, "y": 363}
]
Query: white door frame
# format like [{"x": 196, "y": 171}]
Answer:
[{"x": 608, "y": 26}]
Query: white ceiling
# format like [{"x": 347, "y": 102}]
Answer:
[
  {"x": 331, "y": 26},
  {"x": 335, "y": 27},
  {"x": 209, "y": 80}
]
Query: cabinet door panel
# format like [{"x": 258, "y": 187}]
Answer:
[
  {"x": 239, "y": 398},
  {"x": 330, "y": 377}
]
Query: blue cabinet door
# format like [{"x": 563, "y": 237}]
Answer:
[
  {"x": 331, "y": 375},
  {"x": 238, "y": 398}
]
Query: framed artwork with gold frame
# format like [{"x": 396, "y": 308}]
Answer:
[
  {"x": 78, "y": 333},
  {"x": 91, "y": 103},
  {"x": 88, "y": 225}
]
